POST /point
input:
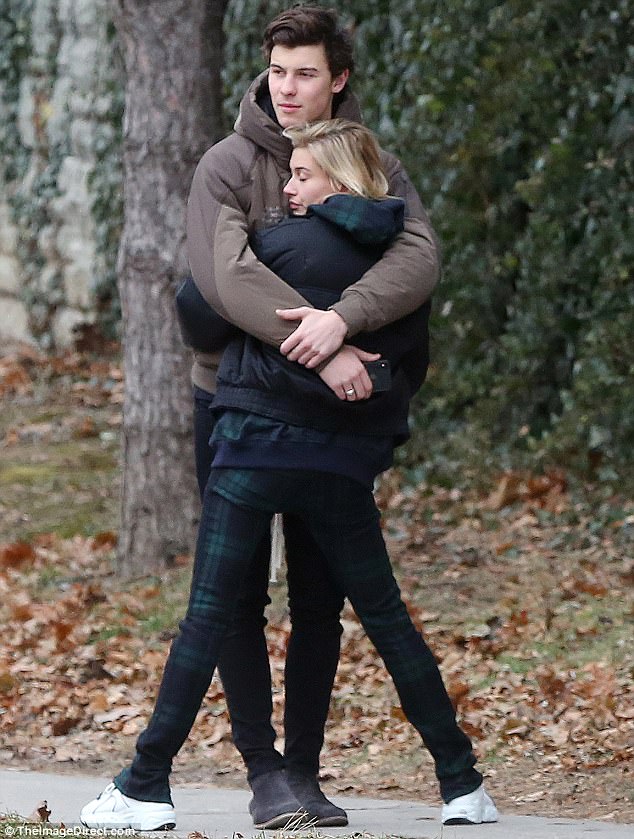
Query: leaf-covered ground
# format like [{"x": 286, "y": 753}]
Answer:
[{"x": 525, "y": 596}]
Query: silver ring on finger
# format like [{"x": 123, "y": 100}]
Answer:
[{"x": 350, "y": 391}]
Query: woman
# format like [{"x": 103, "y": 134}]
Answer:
[
  {"x": 315, "y": 604},
  {"x": 300, "y": 448}
]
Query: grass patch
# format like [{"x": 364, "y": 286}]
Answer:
[
  {"x": 109, "y": 632},
  {"x": 48, "y": 577},
  {"x": 64, "y": 488},
  {"x": 169, "y": 605},
  {"x": 28, "y": 474},
  {"x": 159, "y": 605}
]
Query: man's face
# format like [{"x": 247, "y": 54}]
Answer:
[{"x": 301, "y": 84}]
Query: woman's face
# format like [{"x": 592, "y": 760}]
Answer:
[{"x": 309, "y": 184}]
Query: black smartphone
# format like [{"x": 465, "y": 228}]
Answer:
[{"x": 380, "y": 374}]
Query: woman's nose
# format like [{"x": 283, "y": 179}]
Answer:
[{"x": 289, "y": 189}]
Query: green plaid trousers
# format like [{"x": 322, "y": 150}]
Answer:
[{"x": 342, "y": 517}]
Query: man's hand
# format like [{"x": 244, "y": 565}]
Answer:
[
  {"x": 318, "y": 336},
  {"x": 346, "y": 376}
]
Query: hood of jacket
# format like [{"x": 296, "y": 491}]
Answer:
[
  {"x": 256, "y": 118},
  {"x": 369, "y": 221}
]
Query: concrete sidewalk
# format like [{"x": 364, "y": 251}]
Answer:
[{"x": 222, "y": 813}]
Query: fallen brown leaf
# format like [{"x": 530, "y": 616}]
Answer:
[{"x": 16, "y": 555}]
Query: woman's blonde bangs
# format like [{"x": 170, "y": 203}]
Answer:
[{"x": 347, "y": 152}]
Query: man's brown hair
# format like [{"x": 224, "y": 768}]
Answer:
[{"x": 303, "y": 26}]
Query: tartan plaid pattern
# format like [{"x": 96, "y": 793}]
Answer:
[
  {"x": 371, "y": 222},
  {"x": 344, "y": 521},
  {"x": 313, "y": 647}
]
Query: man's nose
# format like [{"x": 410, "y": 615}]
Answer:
[{"x": 288, "y": 85}]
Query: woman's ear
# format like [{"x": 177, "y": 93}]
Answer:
[{"x": 337, "y": 187}]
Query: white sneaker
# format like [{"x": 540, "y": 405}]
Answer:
[
  {"x": 474, "y": 808},
  {"x": 114, "y": 810}
]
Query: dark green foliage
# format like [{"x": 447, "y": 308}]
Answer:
[
  {"x": 528, "y": 120},
  {"x": 32, "y": 171},
  {"x": 106, "y": 184},
  {"x": 15, "y": 29},
  {"x": 516, "y": 122}
]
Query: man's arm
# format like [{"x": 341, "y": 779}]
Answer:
[
  {"x": 202, "y": 328},
  {"x": 403, "y": 279},
  {"x": 246, "y": 293},
  {"x": 228, "y": 274}
]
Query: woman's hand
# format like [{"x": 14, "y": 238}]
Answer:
[
  {"x": 346, "y": 376},
  {"x": 318, "y": 336}
]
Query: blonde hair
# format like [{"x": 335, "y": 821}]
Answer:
[{"x": 347, "y": 152}]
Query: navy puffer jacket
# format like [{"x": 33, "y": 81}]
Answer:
[{"x": 320, "y": 255}]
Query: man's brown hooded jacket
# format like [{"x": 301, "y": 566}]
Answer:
[{"x": 237, "y": 184}]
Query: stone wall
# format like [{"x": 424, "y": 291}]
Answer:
[{"x": 67, "y": 111}]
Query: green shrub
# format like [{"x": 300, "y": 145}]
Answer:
[{"x": 515, "y": 121}]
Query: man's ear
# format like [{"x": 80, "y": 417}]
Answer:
[{"x": 339, "y": 82}]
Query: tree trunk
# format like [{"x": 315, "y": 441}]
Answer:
[{"x": 173, "y": 58}]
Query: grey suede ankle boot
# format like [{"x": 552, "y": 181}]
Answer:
[
  {"x": 321, "y": 811},
  {"x": 274, "y": 805}
]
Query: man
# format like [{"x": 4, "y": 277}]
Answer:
[
  {"x": 239, "y": 183},
  {"x": 237, "y": 186}
]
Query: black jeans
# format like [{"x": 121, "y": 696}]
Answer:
[
  {"x": 345, "y": 522},
  {"x": 315, "y": 604}
]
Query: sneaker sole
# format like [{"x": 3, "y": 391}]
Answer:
[
  {"x": 486, "y": 819},
  {"x": 128, "y": 825},
  {"x": 458, "y": 820},
  {"x": 469, "y": 821}
]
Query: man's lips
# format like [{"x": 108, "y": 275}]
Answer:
[{"x": 288, "y": 106}]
